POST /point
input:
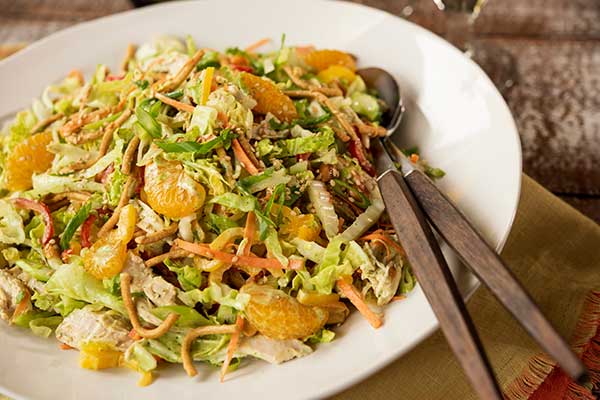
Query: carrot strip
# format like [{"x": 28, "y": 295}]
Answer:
[
  {"x": 243, "y": 158},
  {"x": 174, "y": 103},
  {"x": 64, "y": 346},
  {"x": 207, "y": 84},
  {"x": 247, "y": 261},
  {"x": 355, "y": 298},
  {"x": 23, "y": 305},
  {"x": 249, "y": 232},
  {"x": 384, "y": 238},
  {"x": 254, "y": 46},
  {"x": 232, "y": 346}
]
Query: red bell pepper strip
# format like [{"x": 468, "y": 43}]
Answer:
[
  {"x": 43, "y": 210},
  {"x": 355, "y": 148},
  {"x": 244, "y": 68},
  {"x": 86, "y": 229}
]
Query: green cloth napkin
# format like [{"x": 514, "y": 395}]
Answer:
[{"x": 555, "y": 252}]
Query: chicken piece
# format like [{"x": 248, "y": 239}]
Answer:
[
  {"x": 83, "y": 326},
  {"x": 11, "y": 289},
  {"x": 31, "y": 283},
  {"x": 158, "y": 290},
  {"x": 271, "y": 350},
  {"x": 384, "y": 279}
]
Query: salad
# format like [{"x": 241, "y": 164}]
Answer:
[{"x": 195, "y": 205}]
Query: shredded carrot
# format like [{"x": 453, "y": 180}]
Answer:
[
  {"x": 232, "y": 346},
  {"x": 399, "y": 297},
  {"x": 249, "y": 231},
  {"x": 23, "y": 305},
  {"x": 355, "y": 298},
  {"x": 207, "y": 84},
  {"x": 414, "y": 158},
  {"x": 243, "y": 158},
  {"x": 64, "y": 346},
  {"x": 379, "y": 235},
  {"x": 254, "y": 46},
  {"x": 188, "y": 362},
  {"x": 248, "y": 261},
  {"x": 174, "y": 103}
]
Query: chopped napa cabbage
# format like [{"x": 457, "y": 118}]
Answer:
[
  {"x": 104, "y": 94},
  {"x": 36, "y": 270},
  {"x": 323, "y": 336},
  {"x": 408, "y": 280},
  {"x": 269, "y": 178},
  {"x": 68, "y": 155},
  {"x": 189, "y": 277},
  {"x": 139, "y": 357},
  {"x": 366, "y": 105},
  {"x": 332, "y": 267},
  {"x": 115, "y": 187},
  {"x": 47, "y": 183},
  {"x": 160, "y": 45},
  {"x": 322, "y": 202},
  {"x": 226, "y": 103},
  {"x": 356, "y": 86},
  {"x": 356, "y": 255},
  {"x": 202, "y": 123},
  {"x": 44, "y": 327},
  {"x": 300, "y": 145},
  {"x": 18, "y": 130},
  {"x": 274, "y": 247},
  {"x": 205, "y": 172},
  {"x": 71, "y": 280},
  {"x": 235, "y": 201},
  {"x": 109, "y": 158},
  {"x": 367, "y": 219},
  {"x": 311, "y": 250},
  {"x": 188, "y": 317},
  {"x": 11, "y": 224},
  {"x": 219, "y": 223},
  {"x": 215, "y": 293}
]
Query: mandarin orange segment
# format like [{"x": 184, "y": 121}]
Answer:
[
  {"x": 170, "y": 191},
  {"x": 303, "y": 226},
  {"x": 336, "y": 72},
  {"x": 28, "y": 157},
  {"x": 323, "y": 59},
  {"x": 279, "y": 316},
  {"x": 126, "y": 224},
  {"x": 106, "y": 257},
  {"x": 269, "y": 98}
]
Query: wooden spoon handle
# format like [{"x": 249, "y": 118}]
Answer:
[
  {"x": 435, "y": 279},
  {"x": 456, "y": 230}
]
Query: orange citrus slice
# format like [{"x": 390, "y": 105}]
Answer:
[
  {"x": 279, "y": 316},
  {"x": 27, "y": 158},
  {"x": 323, "y": 59},
  {"x": 170, "y": 191},
  {"x": 269, "y": 98}
]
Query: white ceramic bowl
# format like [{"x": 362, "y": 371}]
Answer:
[{"x": 455, "y": 115}]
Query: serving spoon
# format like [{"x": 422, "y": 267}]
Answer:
[{"x": 412, "y": 199}]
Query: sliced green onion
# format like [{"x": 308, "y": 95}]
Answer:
[{"x": 73, "y": 224}]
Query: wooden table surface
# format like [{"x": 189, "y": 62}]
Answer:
[{"x": 555, "y": 99}]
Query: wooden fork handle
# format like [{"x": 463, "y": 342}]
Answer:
[
  {"x": 456, "y": 230},
  {"x": 434, "y": 277}
]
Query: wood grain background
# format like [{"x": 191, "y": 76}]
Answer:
[{"x": 555, "y": 99}]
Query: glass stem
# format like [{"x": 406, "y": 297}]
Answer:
[{"x": 459, "y": 29}]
